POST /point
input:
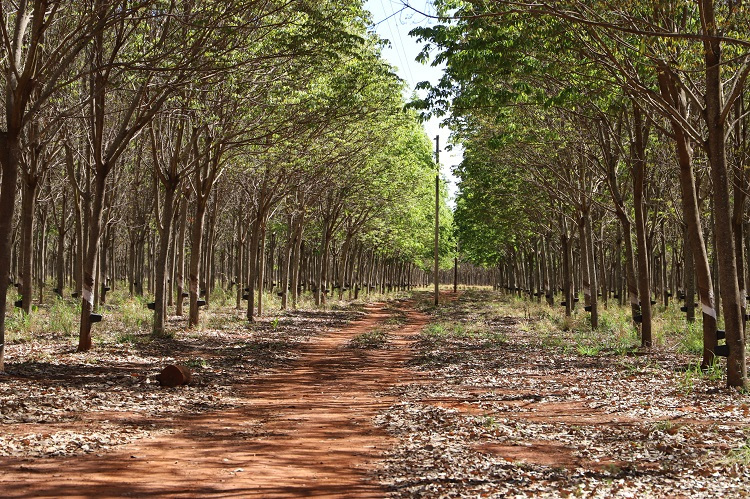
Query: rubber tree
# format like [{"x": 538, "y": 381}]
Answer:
[
  {"x": 207, "y": 165},
  {"x": 110, "y": 131},
  {"x": 169, "y": 156},
  {"x": 34, "y": 72},
  {"x": 637, "y": 159}
]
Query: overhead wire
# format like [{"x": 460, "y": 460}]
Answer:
[{"x": 404, "y": 61}]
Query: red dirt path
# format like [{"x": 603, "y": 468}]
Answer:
[{"x": 302, "y": 432}]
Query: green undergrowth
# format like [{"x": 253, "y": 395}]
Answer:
[
  {"x": 127, "y": 320},
  {"x": 548, "y": 326},
  {"x": 694, "y": 374},
  {"x": 60, "y": 318},
  {"x": 615, "y": 332},
  {"x": 739, "y": 456}
]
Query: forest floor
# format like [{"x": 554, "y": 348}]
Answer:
[{"x": 479, "y": 397}]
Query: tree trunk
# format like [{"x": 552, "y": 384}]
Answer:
[
  {"x": 730, "y": 293},
  {"x": 740, "y": 197},
  {"x": 165, "y": 235},
  {"x": 28, "y": 203},
  {"x": 196, "y": 242},
  {"x": 286, "y": 263},
  {"x": 10, "y": 158},
  {"x": 92, "y": 254},
  {"x": 639, "y": 175},
  {"x": 320, "y": 295},
  {"x": 60, "y": 263},
  {"x": 180, "y": 249},
  {"x": 261, "y": 266},
  {"x": 689, "y": 273},
  {"x": 670, "y": 91},
  {"x": 252, "y": 265},
  {"x": 593, "y": 282},
  {"x": 567, "y": 284}
]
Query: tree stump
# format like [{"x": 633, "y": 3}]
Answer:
[{"x": 174, "y": 375}]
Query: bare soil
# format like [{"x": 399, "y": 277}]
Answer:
[
  {"x": 303, "y": 430},
  {"x": 482, "y": 406}
]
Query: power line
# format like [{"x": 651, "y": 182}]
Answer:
[
  {"x": 400, "y": 50},
  {"x": 399, "y": 11},
  {"x": 390, "y": 30},
  {"x": 408, "y": 66}
]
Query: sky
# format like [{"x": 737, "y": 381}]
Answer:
[{"x": 393, "y": 22}]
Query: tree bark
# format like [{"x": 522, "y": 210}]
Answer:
[
  {"x": 730, "y": 293},
  {"x": 180, "y": 249},
  {"x": 252, "y": 265},
  {"x": 92, "y": 254},
  {"x": 28, "y": 204},
  {"x": 194, "y": 271},
  {"x": 60, "y": 262},
  {"x": 165, "y": 235},
  {"x": 261, "y": 266},
  {"x": 10, "y": 158},
  {"x": 689, "y": 278},
  {"x": 684, "y": 152},
  {"x": 638, "y": 159}
]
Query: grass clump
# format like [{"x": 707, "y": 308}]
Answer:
[
  {"x": 692, "y": 340},
  {"x": 64, "y": 316},
  {"x": 18, "y": 326},
  {"x": 694, "y": 374},
  {"x": 588, "y": 350},
  {"x": 377, "y": 338},
  {"x": 135, "y": 314},
  {"x": 739, "y": 456},
  {"x": 196, "y": 363}
]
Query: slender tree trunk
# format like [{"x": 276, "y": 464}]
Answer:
[
  {"x": 60, "y": 263},
  {"x": 320, "y": 296},
  {"x": 194, "y": 272},
  {"x": 296, "y": 264},
  {"x": 739, "y": 206},
  {"x": 602, "y": 268},
  {"x": 639, "y": 179},
  {"x": 689, "y": 273},
  {"x": 593, "y": 282},
  {"x": 165, "y": 234},
  {"x": 171, "y": 262},
  {"x": 92, "y": 256},
  {"x": 28, "y": 203},
  {"x": 104, "y": 264},
  {"x": 252, "y": 265},
  {"x": 549, "y": 284},
  {"x": 567, "y": 284},
  {"x": 10, "y": 158},
  {"x": 684, "y": 152},
  {"x": 729, "y": 289},
  {"x": 261, "y": 266},
  {"x": 286, "y": 263},
  {"x": 210, "y": 248},
  {"x": 180, "y": 249}
]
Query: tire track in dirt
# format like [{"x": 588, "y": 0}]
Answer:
[{"x": 303, "y": 431}]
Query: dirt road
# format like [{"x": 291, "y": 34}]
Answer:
[{"x": 305, "y": 431}]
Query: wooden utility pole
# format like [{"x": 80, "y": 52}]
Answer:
[
  {"x": 437, "y": 217},
  {"x": 455, "y": 271}
]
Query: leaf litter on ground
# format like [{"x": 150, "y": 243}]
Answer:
[
  {"x": 505, "y": 412},
  {"x": 58, "y": 402}
]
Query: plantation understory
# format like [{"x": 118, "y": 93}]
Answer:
[
  {"x": 486, "y": 395},
  {"x": 232, "y": 263}
]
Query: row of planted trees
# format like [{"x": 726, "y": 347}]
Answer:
[
  {"x": 606, "y": 152},
  {"x": 180, "y": 146}
]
